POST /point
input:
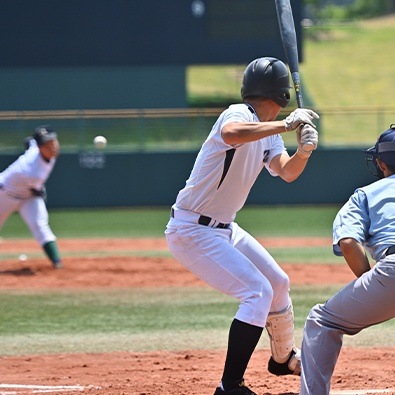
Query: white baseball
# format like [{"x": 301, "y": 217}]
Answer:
[
  {"x": 100, "y": 142},
  {"x": 22, "y": 257}
]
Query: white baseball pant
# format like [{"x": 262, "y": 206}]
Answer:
[
  {"x": 33, "y": 212},
  {"x": 234, "y": 263}
]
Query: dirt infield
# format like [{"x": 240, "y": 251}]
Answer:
[{"x": 192, "y": 372}]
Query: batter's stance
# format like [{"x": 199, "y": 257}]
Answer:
[
  {"x": 366, "y": 221},
  {"x": 201, "y": 233},
  {"x": 22, "y": 189}
]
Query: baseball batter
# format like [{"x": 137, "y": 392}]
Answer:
[
  {"x": 22, "y": 189},
  {"x": 365, "y": 222},
  {"x": 203, "y": 236}
]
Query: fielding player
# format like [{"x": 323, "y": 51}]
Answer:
[
  {"x": 22, "y": 189},
  {"x": 366, "y": 221},
  {"x": 203, "y": 236}
]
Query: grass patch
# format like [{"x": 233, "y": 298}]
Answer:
[
  {"x": 264, "y": 221},
  {"x": 138, "y": 319},
  {"x": 301, "y": 255}
]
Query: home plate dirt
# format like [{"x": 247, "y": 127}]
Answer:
[{"x": 190, "y": 372}]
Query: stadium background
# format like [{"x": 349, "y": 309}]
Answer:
[
  {"x": 117, "y": 69},
  {"x": 123, "y": 317}
]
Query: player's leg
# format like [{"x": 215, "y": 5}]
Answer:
[
  {"x": 8, "y": 205},
  {"x": 366, "y": 301},
  {"x": 280, "y": 321},
  {"x": 35, "y": 215},
  {"x": 207, "y": 253}
]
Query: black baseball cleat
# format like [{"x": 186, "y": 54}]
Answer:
[
  {"x": 240, "y": 390},
  {"x": 290, "y": 366}
]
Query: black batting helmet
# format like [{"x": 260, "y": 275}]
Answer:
[
  {"x": 44, "y": 133},
  {"x": 384, "y": 149},
  {"x": 269, "y": 78}
]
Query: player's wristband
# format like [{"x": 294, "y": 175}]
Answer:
[{"x": 303, "y": 154}]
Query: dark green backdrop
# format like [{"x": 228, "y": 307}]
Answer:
[{"x": 104, "y": 179}]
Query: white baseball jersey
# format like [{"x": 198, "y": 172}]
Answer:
[
  {"x": 223, "y": 175},
  {"x": 29, "y": 171}
]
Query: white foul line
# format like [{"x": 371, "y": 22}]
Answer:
[
  {"x": 35, "y": 389},
  {"x": 364, "y": 392}
]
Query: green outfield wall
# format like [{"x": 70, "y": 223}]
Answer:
[{"x": 105, "y": 179}]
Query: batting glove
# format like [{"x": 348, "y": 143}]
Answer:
[
  {"x": 307, "y": 138},
  {"x": 299, "y": 117}
]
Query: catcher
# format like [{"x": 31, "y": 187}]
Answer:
[{"x": 366, "y": 221}]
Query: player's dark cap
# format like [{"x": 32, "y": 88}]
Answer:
[
  {"x": 269, "y": 78},
  {"x": 43, "y": 134},
  {"x": 384, "y": 148}
]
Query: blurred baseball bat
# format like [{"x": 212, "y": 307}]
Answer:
[{"x": 288, "y": 37}]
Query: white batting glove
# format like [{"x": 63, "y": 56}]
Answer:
[
  {"x": 307, "y": 138},
  {"x": 299, "y": 117}
]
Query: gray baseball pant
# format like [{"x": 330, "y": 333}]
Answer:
[{"x": 366, "y": 301}]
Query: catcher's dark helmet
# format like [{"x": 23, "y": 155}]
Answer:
[
  {"x": 384, "y": 149},
  {"x": 269, "y": 78},
  {"x": 44, "y": 133}
]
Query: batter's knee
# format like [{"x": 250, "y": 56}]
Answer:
[
  {"x": 255, "y": 307},
  {"x": 282, "y": 283},
  {"x": 280, "y": 287}
]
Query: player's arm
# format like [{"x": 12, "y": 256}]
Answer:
[
  {"x": 234, "y": 133},
  {"x": 288, "y": 168},
  {"x": 355, "y": 256}
]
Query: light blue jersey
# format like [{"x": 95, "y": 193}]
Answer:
[{"x": 369, "y": 218}]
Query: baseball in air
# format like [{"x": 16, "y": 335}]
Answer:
[{"x": 100, "y": 142}]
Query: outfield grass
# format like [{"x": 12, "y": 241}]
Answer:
[
  {"x": 268, "y": 221},
  {"x": 264, "y": 221}
]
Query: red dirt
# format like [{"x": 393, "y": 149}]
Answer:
[{"x": 193, "y": 372}]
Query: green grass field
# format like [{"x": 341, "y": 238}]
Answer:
[
  {"x": 138, "y": 320},
  {"x": 347, "y": 74},
  {"x": 151, "y": 222},
  {"x": 141, "y": 319}
]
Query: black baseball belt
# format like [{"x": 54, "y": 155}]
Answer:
[
  {"x": 390, "y": 251},
  {"x": 204, "y": 220}
]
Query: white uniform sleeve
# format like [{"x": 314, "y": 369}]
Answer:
[
  {"x": 277, "y": 148},
  {"x": 241, "y": 113}
]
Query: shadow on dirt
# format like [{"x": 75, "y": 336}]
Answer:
[{"x": 24, "y": 271}]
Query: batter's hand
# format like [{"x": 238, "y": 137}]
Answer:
[
  {"x": 299, "y": 117},
  {"x": 307, "y": 138}
]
